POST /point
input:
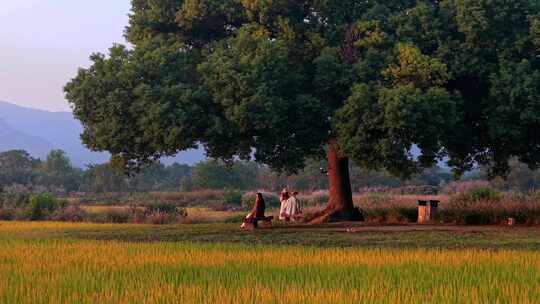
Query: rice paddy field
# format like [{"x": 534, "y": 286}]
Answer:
[{"x": 216, "y": 263}]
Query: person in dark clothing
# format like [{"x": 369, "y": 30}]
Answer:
[
  {"x": 257, "y": 212},
  {"x": 259, "y": 207}
]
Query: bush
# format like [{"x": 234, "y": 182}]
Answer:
[
  {"x": 232, "y": 197},
  {"x": 42, "y": 206},
  {"x": 483, "y": 193},
  {"x": 474, "y": 196}
]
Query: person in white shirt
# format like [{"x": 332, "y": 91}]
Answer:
[
  {"x": 290, "y": 207},
  {"x": 294, "y": 209}
]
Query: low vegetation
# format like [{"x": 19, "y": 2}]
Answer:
[{"x": 476, "y": 206}]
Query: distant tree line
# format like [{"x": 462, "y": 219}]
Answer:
[{"x": 19, "y": 171}]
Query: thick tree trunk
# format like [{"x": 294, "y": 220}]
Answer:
[{"x": 340, "y": 205}]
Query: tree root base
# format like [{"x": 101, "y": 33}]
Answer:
[{"x": 332, "y": 216}]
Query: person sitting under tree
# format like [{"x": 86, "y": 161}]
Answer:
[
  {"x": 257, "y": 212},
  {"x": 284, "y": 199},
  {"x": 292, "y": 209},
  {"x": 295, "y": 208}
]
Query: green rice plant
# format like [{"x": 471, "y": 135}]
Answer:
[{"x": 57, "y": 270}]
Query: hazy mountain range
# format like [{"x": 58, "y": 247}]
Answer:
[{"x": 39, "y": 131}]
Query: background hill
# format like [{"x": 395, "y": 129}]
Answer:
[
  {"x": 11, "y": 139},
  {"x": 39, "y": 131}
]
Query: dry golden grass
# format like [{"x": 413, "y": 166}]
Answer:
[
  {"x": 194, "y": 215},
  {"x": 399, "y": 200},
  {"x": 206, "y": 215},
  {"x": 103, "y": 209}
]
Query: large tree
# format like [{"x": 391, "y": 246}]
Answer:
[{"x": 283, "y": 80}]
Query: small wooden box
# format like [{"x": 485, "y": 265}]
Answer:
[{"x": 427, "y": 211}]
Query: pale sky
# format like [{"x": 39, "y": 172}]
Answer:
[{"x": 43, "y": 42}]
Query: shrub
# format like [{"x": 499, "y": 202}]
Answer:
[
  {"x": 232, "y": 197},
  {"x": 483, "y": 193},
  {"x": 41, "y": 206},
  {"x": 474, "y": 196}
]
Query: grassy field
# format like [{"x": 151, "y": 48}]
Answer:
[{"x": 217, "y": 263}]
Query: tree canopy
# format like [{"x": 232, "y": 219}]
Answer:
[
  {"x": 278, "y": 80},
  {"x": 16, "y": 167}
]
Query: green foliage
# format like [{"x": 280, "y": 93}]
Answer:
[
  {"x": 57, "y": 171},
  {"x": 275, "y": 80},
  {"x": 232, "y": 198},
  {"x": 158, "y": 177},
  {"x": 17, "y": 167},
  {"x": 40, "y": 206},
  {"x": 104, "y": 178},
  {"x": 214, "y": 174},
  {"x": 475, "y": 195}
]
